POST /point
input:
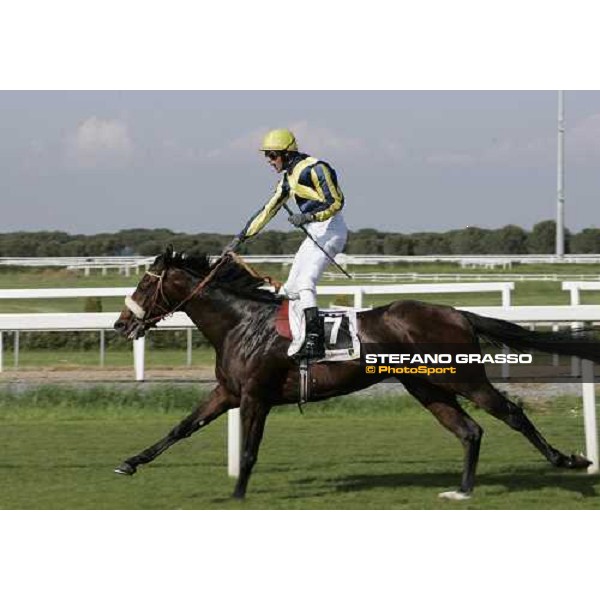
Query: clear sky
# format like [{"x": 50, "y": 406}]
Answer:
[{"x": 87, "y": 162}]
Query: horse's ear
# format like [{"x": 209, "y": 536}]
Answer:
[{"x": 168, "y": 254}]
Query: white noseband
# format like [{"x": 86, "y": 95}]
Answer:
[{"x": 135, "y": 308}]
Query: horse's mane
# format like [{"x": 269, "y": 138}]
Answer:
[{"x": 231, "y": 275}]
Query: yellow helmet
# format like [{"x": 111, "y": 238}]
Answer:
[{"x": 279, "y": 139}]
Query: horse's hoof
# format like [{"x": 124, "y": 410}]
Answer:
[
  {"x": 454, "y": 495},
  {"x": 125, "y": 469},
  {"x": 578, "y": 461}
]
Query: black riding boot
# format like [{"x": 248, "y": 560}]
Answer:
[{"x": 314, "y": 339}]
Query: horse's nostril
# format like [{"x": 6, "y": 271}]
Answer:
[{"x": 119, "y": 326}]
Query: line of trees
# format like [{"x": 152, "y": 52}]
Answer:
[{"x": 510, "y": 239}]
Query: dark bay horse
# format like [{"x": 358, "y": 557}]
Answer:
[{"x": 228, "y": 304}]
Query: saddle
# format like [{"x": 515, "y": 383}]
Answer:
[{"x": 341, "y": 338}]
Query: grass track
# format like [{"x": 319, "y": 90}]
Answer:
[
  {"x": 394, "y": 457},
  {"x": 62, "y": 456}
]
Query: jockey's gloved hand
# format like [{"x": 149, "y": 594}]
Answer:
[
  {"x": 233, "y": 245},
  {"x": 301, "y": 219}
]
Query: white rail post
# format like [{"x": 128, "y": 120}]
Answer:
[
  {"x": 505, "y": 369},
  {"x": 506, "y": 296},
  {"x": 358, "y": 297},
  {"x": 575, "y": 362},
  {"x": 138, "y": 358},
  {"x": 555, "y": 357},
  {"x": 589, "y": 415},
  {"x": 102, "y": 347},
  {"x": 189, "y": 346},
  {"x": 17, "y": 344},
  {"x": 575, "y": 298},
  {"x": 234, "y": 442}
]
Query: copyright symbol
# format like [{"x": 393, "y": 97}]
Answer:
[{"x": 370, "y": 369}]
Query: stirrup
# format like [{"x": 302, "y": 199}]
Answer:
[
  {"x": 314, "y": 349},
  {"x": 310, "y": 352}
]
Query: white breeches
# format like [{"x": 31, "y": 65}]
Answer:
[{"x": 308, "y": 266}]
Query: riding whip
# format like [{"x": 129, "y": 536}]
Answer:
[{"x": 289, "y": 211}]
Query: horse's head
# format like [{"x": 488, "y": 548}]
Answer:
[
  {"x": 174, "y": 279},
  {"x": 163, "y": 289}
]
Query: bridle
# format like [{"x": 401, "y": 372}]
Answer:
[{"x": 160, "y": 301}]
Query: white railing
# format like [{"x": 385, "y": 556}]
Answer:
[
  {"x": 85, "y": 322},
  {"x": 79, "y": 321},
  {"x": 574, "y": 287},
  {"x": 104, "y": 267},
  {"x": 388, "y": 277},
  {"x": 82, "y": 292},
  {"x": 73, "y": 261},
  {"x": 483, "y": 260},
  {"x": 359, "y": 291},
  {"x": 523, "y": 314}
]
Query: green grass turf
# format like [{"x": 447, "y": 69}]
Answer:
[{"x": 59, "y": 449}]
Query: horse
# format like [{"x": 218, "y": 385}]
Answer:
[{"x": 229, "y": 303}]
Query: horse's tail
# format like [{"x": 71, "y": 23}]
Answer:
[{"x": 572, "y": 342}]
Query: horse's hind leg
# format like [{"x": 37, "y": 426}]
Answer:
[
  {"x": 494, "y": 402},
  {"x": 443, "y": 405},
  {"x": 219, "y": 401}
]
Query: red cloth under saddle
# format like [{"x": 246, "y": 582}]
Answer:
[{"x": 282, "y": 321}]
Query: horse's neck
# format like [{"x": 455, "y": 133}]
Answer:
[
  {"x": 217, "y": 317},
  {"x": 211, "y": 319}
]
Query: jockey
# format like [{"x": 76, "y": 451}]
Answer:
[{"x": 313, "y": 184}]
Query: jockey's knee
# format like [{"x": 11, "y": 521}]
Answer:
[
  {"x": 289, "y": 291},
  {"x": 308, "y": 297},
  {"x": 306, "y": 282}
]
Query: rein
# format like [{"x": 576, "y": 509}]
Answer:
[
  {"x": 195, "y": 290},
  {"x": 266, "y": 278}
]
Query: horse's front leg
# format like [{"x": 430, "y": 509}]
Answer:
[
  {"x": 219, "y": 401},
  {"x": 253, "y": 415}
]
